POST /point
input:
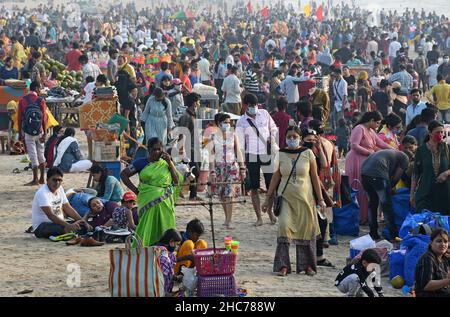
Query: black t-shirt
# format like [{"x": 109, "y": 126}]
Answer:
[
  {"x": 130, "y": 104},
  {"x": 381, "y": 100},
  {"x": 345, "y": 54},
  {"x": 362, "y": 273},
  {"x": 350, "y": 81},
  {"x": 432, "y": 56}
]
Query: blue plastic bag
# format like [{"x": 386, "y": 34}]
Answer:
[
  {"x": 416, "y": 245},
  {"x": 401, "y": 207},
  {"x": 346, "y": 219},
  {"x": 412, "y": 221},
  {"x": 396, "y": 263},
  {"x": 440, "y": 222}
]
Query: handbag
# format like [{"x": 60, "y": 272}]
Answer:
[
  {"x": 136, "y": 272},
  {"x": 279, "y": 198}
]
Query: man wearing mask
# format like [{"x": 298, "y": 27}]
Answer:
[
  {"x": 440, "y": 95},
  {"x": 444, "y": 69},
  {"x": 257, "y": 133},
  {"x": 416, "y": 106},
  {"x": 340, "y": 95}
]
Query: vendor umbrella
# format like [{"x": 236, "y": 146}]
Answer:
[{"x": 180, "y": 15}]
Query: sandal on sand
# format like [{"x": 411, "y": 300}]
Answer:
[
  {"x": 63, "y": 237},
  {"x": 16, "y": 171},
  {"x": 29, "y": 230},
  {"x": 325, "y": 262},
  {"x": 282, "y": 272},
  {"x": 310, "y": 272}
]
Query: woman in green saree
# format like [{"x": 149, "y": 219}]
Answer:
[{"x": 157, "y": 192}]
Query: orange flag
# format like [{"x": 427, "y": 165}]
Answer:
[
  {"x": 265, "y": 12},
  {"x": 319, "y": 14}
]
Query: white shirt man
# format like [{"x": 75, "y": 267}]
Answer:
[
  {"x": 289, "y": 86},
  {"x": 139, "y": 36},
  {"x": 229, "y": 60},
  {"x": 413, "y": 110},
  {"x": 85, "y": 36},
  {"x": 119, "y": 40},
  {"x": 204, "y": 67},
  {"x": 45, "y": 198},
  {"x": 372, "y": 46},
  {"x": 432, "y": 72},
  {"x": 232, "y": 88},
  {"x": 49, "y": 206},
  {"x": 270, "y": 42},
  {"x": 248, "y": 138},
  {"x": 91, "y": 69},
  {"x": 340, "y": 93},
  {"x": 393, "y": 48}
]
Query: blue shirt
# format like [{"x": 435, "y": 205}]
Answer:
[
  {"x": 419, "y": 133},
  {"x": 139, "y": 164},
  {"x": 9, "y": 74}
]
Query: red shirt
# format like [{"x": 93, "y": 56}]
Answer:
[
  {"x": 186, "y": 82},
  {"x": 282, "y": 121},
  {"x": 23, "y": 104},
  {"x": 72, "y": 60}
]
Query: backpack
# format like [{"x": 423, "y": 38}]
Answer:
[
  {"x": 420, "y": 65},
  {"x": 33, "y": 118}
]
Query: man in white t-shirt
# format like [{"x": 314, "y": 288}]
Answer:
[
  {"x": 49, "y": 206},
  {"x": 89, "y": 89}
]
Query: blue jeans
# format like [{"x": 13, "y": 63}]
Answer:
[{"x": 379, "y": 192}]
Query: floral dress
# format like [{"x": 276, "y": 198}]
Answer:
[{"x": 226, "y": 166}]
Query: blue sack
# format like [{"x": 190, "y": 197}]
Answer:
[
  {"x": 396, "y": 263},
  {"x": 412, "y": 221},
  {"x": 346, "y": 219},
  {"x": 401, "y": 207},
  {"x": 440, "y": 222},
  {"x": 416, "y": 245}
]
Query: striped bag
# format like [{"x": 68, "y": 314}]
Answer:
[{"x": 136, "y": 272}]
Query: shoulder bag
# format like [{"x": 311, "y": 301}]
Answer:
[
  {"x": 262, "y": 159},
  {"x": 279, "y": 198}
]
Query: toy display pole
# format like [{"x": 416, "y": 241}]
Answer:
[{"x": 211, "y": 216}]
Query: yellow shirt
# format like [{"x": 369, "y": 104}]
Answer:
[{"x": 442, "y": 95}]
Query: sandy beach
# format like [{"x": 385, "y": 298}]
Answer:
[{"x": 41, "y": 265}]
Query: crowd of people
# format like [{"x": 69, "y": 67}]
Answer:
[{"x": 338, "y": 82}]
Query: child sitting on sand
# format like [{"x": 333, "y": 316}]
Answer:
[
  {"x": 122, "y": 216},
  {"x": 191, "y": 241},
  {"x": 358, "y": 277},
  {"x": 168, "y": 243}
]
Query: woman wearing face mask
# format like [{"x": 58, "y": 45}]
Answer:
[
  {"x": 432, "y": 275},
  {"x": 157, "y": 116},
  {"x": 156, "y": 193},
  {"x": 364, "y": 141},
  {"x": 298, "y": 221},
  {"x": 226, "y": 165},
  {"x": 430, "y": 184},
  {"x": 169, "y": 242},
  {"x": 391, "y": 131}
]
